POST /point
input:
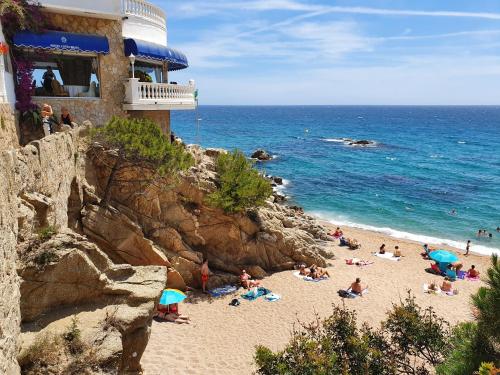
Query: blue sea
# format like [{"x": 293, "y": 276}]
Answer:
[{"x": 426, "y": 161}]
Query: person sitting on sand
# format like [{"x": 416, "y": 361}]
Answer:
[
  {"x": 357, "y": 288},
  {"x": 382, "y": 249},
  {"x": 318, "y": 272},
  {"x": 338, "y": 233},
  {"x": 446, "y": 286},
  {"x": 433, "y": 287},
  {"x": 246, "y": 280},
  {"x": 397, "y": 252},
  {"x": 472, "y": 272}
]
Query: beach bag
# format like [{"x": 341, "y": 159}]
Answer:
[{"x": 344, "y": 294}]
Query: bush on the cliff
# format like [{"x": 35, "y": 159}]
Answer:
[
  {"x": 476, "y": 342},
  {"x": 240, "y": 185},
  {"x": 409, "y": 340},
  {"x": 140, "y": 143}
]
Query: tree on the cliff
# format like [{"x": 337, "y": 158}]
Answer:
[
  {"x": 474, "y": 343},
  {"x": 240, "y": 185},
  {"x": 139, "y": 144},
  {"x": 410, "y": 341}
]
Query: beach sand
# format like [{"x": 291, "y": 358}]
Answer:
[{"x": 221, "y": 339}]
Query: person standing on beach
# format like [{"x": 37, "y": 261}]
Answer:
[
  {"x": 467, "y": 248},
  {"x": 205, "y": 271}
]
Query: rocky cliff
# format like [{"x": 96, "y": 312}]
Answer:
[{"x": 76, "y": 270}]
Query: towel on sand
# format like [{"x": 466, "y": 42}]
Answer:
[
  {"x": 387, "y": 255},
  {"x": 223, "y": 290},
  {"x": 349, "y": 294},
  {"x": 253, "y": 293},
  {"x": 272, "y": 297}
]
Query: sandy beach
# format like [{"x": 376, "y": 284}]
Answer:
[{"x": 221, "y": 339}]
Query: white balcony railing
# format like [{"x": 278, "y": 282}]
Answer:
[
  {"x": 159, "y": 96},
  {"x": 140, "y": 8}
]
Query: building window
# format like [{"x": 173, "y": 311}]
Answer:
[
  {"x": 65, "y": 75},
  {"x": 148, "y": 72}
]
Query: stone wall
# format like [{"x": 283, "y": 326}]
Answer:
[
  {"x": 10, "y": 314},
  {"x": 113, "y": 70},
  {"x": 8, "y": 128},
  {"x": 162, "y": 118}
]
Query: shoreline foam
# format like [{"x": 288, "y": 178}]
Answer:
[{"x": 420, "y": 238}]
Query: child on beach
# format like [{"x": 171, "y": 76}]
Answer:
[
  {"x": 397, "y": 252},
  {"x": 205, "y": 271},
  {"x": 467, "y": 248}
]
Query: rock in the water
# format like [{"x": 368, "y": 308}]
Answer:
[
  {"x": 362, "y": 142},
  {"x": 261, "y": 155},
  {"x": 277, "y": 180}
]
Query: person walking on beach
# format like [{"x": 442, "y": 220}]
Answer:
[
  {"x": 467, "y": 248},
  {"x": 205, "y": 271}
]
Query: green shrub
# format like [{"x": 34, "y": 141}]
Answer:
[
  {"x": 476, "y": 342},
  {"x": 409, "y": 342},
  {"x": 46, "y": 233},
  {"x": 240, "y": 184},
  {"x": 141, "y": 143}
]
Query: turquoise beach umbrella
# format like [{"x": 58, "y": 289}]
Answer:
[
  {"x": 171, "y": 296},
  {"x": 443, "y": 256}
]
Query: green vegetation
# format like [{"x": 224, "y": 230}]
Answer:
[
  {"x": 141, "y": 143},
  {"x": 476, "y": 342},
  {"x": 61, "y": 354},
  {"x": 411, "y": 340},
  {"x": 410, "y": 337},
  {"x": 46, "y": 233},
  {"x": 240, "y": 186}
]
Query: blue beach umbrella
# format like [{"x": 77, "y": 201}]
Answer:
[
  {"x": 171, "y": 296},
  {"x": 443, "y": 256}
]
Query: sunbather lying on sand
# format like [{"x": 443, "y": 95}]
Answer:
[
  {"x": 246, "y": 280},
  {"x": 314, "y": 271},
  {"x": 318, "y": 272},
  {"x": 171, "y": 313}
]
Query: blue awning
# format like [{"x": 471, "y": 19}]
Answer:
[
  {"x": 140, "y": 48},
  {"x": 62, "y": 41}
]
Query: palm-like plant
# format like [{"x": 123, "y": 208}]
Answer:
[{"x": 487, "y": 304}]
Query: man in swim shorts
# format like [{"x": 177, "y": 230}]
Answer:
[{"x": 205, "y": 271}]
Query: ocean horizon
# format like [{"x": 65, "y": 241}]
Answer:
[{"x": 430, "y": 173}]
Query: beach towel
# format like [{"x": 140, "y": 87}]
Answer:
[
  {"x": 223, "y": 290},
  {"x": 387, "y": 255},
  {"x": 297, "y": 274},
  {"x": 468, "y": 278},
  {"x": 308, "y": 278},
  {"x": 253, "y": 294},
  {"x": 272, "y": 297},
  {"x": 349, "y": 294}
]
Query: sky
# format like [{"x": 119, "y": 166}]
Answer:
[{"x": 319, "y": 52}]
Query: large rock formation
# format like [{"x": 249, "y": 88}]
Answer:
[
  {"x": 106, "y": 264},
  {"x": 43, "y": 191},
  {"x": 69, "y": 271},
  {"x": 178, "y": 220}
]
